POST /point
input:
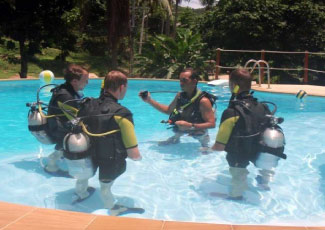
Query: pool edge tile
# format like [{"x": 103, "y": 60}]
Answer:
[
  {"x": 173, "y": 225},
  {"x": 127, "y": 223},
  {"x": 51, "y": 219},
  {"x": 267, "y": 227},
  {"x": 11, "y": 213},
  {"x": 18, "y": 217}
]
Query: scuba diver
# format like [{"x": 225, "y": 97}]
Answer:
[
  {"x": 191, "y": 111},
  {"x": 76, "y": 78},
  {"x": 110, "y": 128},
  {"x": 248, "y": 132}
]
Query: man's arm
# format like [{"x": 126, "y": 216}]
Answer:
[
  {"x": 134, "y": 153},
  {"x": 128, "y": 134},
  {"x": 160, "y": 107},
  {"x": 227, "y": 123},
  {"x": 218, "y": 147}
]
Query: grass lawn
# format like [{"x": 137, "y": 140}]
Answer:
[{"x": 10, "y": 62}]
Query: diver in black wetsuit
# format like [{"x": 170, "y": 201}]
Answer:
[
  {"x": 191, "y": 110},
  {"x": 76, "y": 78},
  {"x": 241, "y": 127}
]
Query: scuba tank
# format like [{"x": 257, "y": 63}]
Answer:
[
  {"x": 37, "y": 120},
  {"x": 76, "y": 143},
  {"x": 272, "y": 143},
  {"x": 76, "y": 146},
  {"x": 37, "y": 125}
]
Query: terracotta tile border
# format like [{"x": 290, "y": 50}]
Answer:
[{"x": 21, "y": 217}]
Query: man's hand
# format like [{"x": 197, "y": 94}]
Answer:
[
  {"x": 183, "y": 125},
  {"x": 145, "y": 96},
  {"x": 218, "y": 147}
]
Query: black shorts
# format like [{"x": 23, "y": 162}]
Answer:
[
  {"x": 110, "y": 169},
  {"x": 239, "y": 160}
]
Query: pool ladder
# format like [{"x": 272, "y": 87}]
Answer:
[{"x": 257, "y": 63}]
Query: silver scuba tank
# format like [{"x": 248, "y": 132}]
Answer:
[
  {"x": 274, "y": 138},
  {"x": 36, "y": 125},
  {"x": 75, "y": 143},
  {"x": 77, "y": 156}
]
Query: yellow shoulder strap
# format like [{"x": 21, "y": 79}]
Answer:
[
  {"x": 69, "y": 111},
  {"x": 198, "y": 92}
]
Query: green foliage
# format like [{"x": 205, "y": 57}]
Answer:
[
  {"x": 166, "y": 57},
  {"x": 280, "y": 25},
  {"x": 10, "y": 59}
]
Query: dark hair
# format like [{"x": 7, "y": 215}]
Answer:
[
  {"x": 114, "y": 79},
  {"x": 241, "y": 77},
  {"x": 74, "y": 71},
  {"x": 194, "y": 73}
]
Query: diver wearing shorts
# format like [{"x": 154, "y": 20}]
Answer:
[
  {"x": 109, "y": 152},
  {"x": 191, "y": 111},
  {"x": 76, "y": 78},
  {"x": 239, "y": 131}
]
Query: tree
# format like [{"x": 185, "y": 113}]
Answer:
[
  {"x": 208, "y": 3},
  {"x": 31, "y": 22},
  {"x": 164, "y": 56},
  {"x": 294, "y": 25}
]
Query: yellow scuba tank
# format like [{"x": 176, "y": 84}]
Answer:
[{"x": 37, "y": 125}]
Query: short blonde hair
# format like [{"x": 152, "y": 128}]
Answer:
[
  {"x": 241, "y": 77},
  {"x": 114, "y": 79}
]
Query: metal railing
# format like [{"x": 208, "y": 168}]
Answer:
[{"x": 257, "y": 63}]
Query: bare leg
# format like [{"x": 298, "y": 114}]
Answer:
[
  {"x": 172, "y": 140},
  {"x": 264, "y": 178},
  {"x": 81, "y": 188},
  {"x": 52, "y": 161},
  {"x": 238, "y": 182},
  {"x": 107, "y": 195}
]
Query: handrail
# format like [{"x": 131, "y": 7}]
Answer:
[{"x": 257, "y": 63}]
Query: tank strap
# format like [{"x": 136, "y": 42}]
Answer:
[
  {"x": 37, "y": 128},
  {"x": 274, "y": 151}
]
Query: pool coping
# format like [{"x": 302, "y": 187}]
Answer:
[
  {"x": 311, "y": 90},
  {"x": 16, "y": 216}
]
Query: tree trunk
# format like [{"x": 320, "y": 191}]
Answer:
[
  {"x": 142, "y": 29},
  {"x": 23, "y": 59},
  {"x": 118, "y": 25},
  {"x": 162, "y": 26},
  {"x": 175, "y": 20},
  {"x": 167, "y": 29},
  {"x": 131, "y": 38}
]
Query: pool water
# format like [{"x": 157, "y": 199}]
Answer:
[{"x": 173, "y": 182}]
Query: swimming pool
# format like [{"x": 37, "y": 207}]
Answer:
[{"x": 173, "y": 182}]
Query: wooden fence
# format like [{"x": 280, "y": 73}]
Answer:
[{"x": 305, "y": 68}]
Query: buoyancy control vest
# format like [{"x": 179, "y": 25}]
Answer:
[
  {"x": 188, "y": 109},
  {"x": 99, "y": 118},
  {"x": 252, "y": 132},
  {"x": 56, "y": 124}
]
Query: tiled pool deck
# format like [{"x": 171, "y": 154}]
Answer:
[{"x": 20, "y": 217}]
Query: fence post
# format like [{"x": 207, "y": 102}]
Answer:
[
  {"x": 306, "y": 67},
  {"x": 216, "y": 77},
  {"x": 262, "y": 66}
]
